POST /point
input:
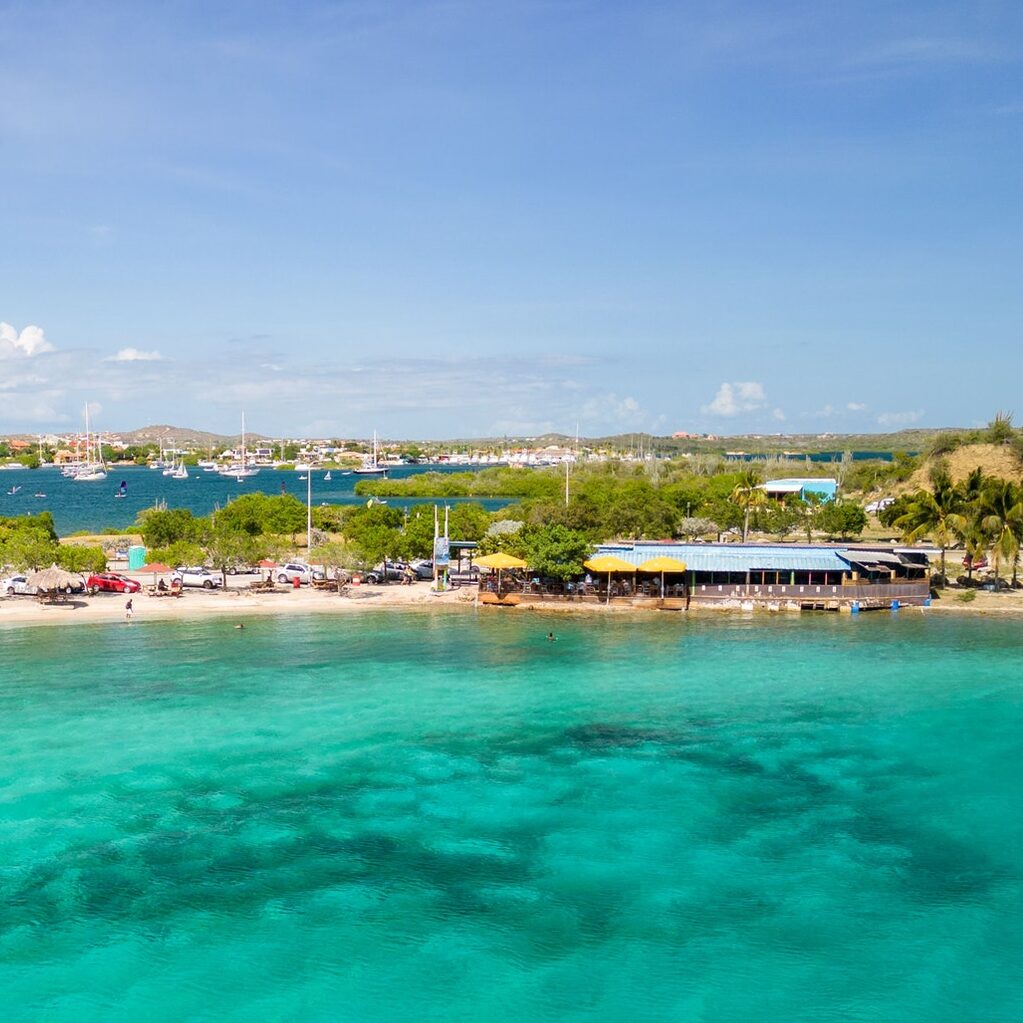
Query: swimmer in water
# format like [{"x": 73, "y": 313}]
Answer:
[
  {"x": 239, "y": 626},
  {"x": 551, "y": 637}
]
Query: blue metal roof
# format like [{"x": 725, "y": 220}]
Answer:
[{"x": 733, "y": 557}]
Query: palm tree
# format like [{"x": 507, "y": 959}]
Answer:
[
  {"x": 974, "y": 539},
  {"x": 1001, "y": 517},
  {"x": 747, "y": 494},
  {"x": 936, "y": 513}
]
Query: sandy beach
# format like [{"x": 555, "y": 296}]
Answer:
[{"x": 236, "y": 601}]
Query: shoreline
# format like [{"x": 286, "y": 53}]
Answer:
[{"x": 236, "y": 602}]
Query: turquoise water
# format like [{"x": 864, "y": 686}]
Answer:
[{"x": 446, "y": 817}]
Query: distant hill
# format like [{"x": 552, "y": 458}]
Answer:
[
  {"x": 767, "y": 444},
  {"x": 182, "y": 436},
  {"x": 998, "y": 460}
]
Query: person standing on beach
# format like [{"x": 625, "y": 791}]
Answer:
[{"x": 128, "y": 610}]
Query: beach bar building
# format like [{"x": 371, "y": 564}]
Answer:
[{"x": 773, "y": 576}]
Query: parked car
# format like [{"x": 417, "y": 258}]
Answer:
[
  {"x": 111, "y": 582},
  {"x": 386, "y": 571},
  {"x": 878, "y": 506},
  {"x": 298, "y": 570},
  {"x": 422, "y": 568},
  {"x": 197, "y": 576},
  {"x": 15, "y": 584}
]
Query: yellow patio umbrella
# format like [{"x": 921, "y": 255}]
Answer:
[
  {"x": 608, "y": 563},
  {"x": 500, "y": 561},
  {"x": 662, "y": 563}
]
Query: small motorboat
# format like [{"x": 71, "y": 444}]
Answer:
[{"x": 40, "y": 494}]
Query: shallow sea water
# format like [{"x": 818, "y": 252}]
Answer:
[{"x": 446, "y": 817}]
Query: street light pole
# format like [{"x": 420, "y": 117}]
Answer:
[{"x": 309, "y": 512}]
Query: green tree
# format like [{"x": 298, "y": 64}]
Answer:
[
  {"x": 1001, "y": 517},
  {"x": 937, "y": 513},
  {"x": 80, "y": 558},
  {"x": 28, "y": 550},
  {"x": 227, "y": 549},
  {"x": 554, "y": 551},
  {"x": 181, "y": 552},
  {"x": 339, "y": 558},
  {"x": 163, "y": 527},
  {"x": 779, "y": 518},
  {"x": 258, "y": 514},
  {"x": 842, "y": 519}
]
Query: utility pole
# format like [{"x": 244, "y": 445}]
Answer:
[{"x": 309, "y": 511}]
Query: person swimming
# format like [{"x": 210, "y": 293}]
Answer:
[{"x": 551, "y": 637}]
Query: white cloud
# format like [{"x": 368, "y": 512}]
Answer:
[
  {"x": 899, "y": 418},
  {"x": 856, "y": 406},
  {"x": 733, "y": 398},
  {"x": 28, "y": 342},
  {"x": 778, "y": 414},
  {"x": 135, "y": 355}
]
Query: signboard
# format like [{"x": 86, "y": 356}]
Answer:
[{"x": 441, "y": 552}]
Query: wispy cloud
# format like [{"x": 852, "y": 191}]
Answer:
[
  {"x": 135, "y": 355},
  {"x": 898, "y": 419}
]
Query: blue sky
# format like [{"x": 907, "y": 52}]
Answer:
[{"x": 475, "y": 218}]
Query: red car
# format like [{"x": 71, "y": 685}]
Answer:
[{"x": 112, "y": 582}]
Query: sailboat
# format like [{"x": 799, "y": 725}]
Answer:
[
  {"x": 13, "y": 491},
  {"x": 180, "y": 472},
  {"x": 327, "y": 477},
  {"x": 369, "y": 465},
  {"x": 91, "y": 471},
  {"x": 122, "y": 490},
  {"x": 241, "y": 470}
]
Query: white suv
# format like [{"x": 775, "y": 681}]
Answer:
[
  {"x": 298, "y": 570},
  {"x": 196, "y": 577},
  {"x": 15, "y": 584}
]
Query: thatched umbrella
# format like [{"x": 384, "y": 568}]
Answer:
[{"x": 55, "y": 580}]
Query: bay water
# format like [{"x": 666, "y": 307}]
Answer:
[
  {"x": 441, "y": 816},
  {"x": 95, "y": 506}
]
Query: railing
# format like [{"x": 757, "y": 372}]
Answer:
[
  {"x": 828, "y": 594},
  {"x": 916, "y": 589}
]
